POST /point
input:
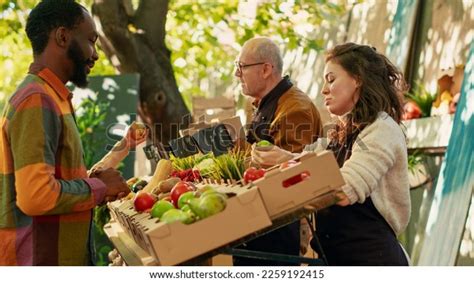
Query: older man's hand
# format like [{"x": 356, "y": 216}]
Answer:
[{"x": 270, "y": 156}]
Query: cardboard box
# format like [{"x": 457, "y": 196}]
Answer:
[
  {"x": 232, "y": 124},
  {"x": 281, "y": 197},
  {"x": 211, "y": 109},
  {"x": 174, "y": 243}
]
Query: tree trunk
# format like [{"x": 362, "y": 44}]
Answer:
[{"x": 134, "y": 41}]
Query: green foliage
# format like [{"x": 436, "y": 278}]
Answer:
[
  {"x": 90, "y": 123},
  {"x": 91, "y": 115},
  {"x": 205, "y": 36},
  {"x": 414, "y": 159},
  {"x": 15, "y": 50},
  {"x": 101, "y": 246},
  {"x": 422, "y": 98}
]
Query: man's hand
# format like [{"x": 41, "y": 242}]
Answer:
[
  {"x": 116, "y": 186},
  {"x": 270, "y": 156}
]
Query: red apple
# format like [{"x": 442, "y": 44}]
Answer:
[
  {"x": 144, "y": 201},
  {"x": 252, "y": 174},
  {"x": 178, "y": 189}
]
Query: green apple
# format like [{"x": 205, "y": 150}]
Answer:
[
  {"x": 264, "y": 143},
  {"x": 160, "y": 207},
  {"x": 178, "y": 215},
  {"x": 208, "y": 205},
  {"x": 184, "y": 198},
  {"x": 185, "y": 208}
]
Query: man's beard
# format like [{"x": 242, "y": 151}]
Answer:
[{"x": 79, "y": 75}]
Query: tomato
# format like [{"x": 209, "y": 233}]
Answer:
[
  {"x": 252, "y": 174},
  {"x": 143, "y": 201},
  {"x": 179, "y": 189},
  {"x": 187, "y": 175}
]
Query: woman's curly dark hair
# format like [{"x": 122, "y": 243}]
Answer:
[{"x": 382, "y": 86}]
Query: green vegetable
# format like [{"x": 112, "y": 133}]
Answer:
[
  {"x": 264, "y": 143},
  {"x": 230, "y": 166}
]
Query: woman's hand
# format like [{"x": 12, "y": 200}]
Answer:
[
  {"x": 270, "y": 155},
  {"x": 342, "y": 199}
]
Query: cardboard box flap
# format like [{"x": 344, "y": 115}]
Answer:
[
  {"x": 284, "y": 190},
  {"x": 161, "y": 229},
  {"x": 323, "y": 168},
  {"x": 232, "y": 124},
  {"x": 243, "y": 197}
]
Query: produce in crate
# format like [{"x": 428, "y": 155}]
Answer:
[
  {"x": 165, "y": 196},
  {"x": 143, "y": 201},
  {"x": 189, "y": 174},
  {"x": 186, "y": 208},
  {"x": 139, "y": 185},
  {"x": 251, "y": 174},
  {"x": 160, "y": 207},
  {"x": 178, "y": 215},
  {"x": 180, "y": 164},
  {"x": 205, "y": 165},
  {"x": 132, "y": 181},
  {"x": 230, "y": 166},
  {"x": 208, "y": 204},
  {"x": 165, "y": 186},
  {"x": 162, "y": 172},
  {"x": 184, "y": 198},
  {"x": 179, "y": 189}
]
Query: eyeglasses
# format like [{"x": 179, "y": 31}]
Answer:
[{"x": 239, "y": 66}]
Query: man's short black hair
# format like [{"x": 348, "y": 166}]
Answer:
[{"x": 48, "y": 15}]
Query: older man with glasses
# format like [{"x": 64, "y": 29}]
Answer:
[{"x": 284, "y": 116}]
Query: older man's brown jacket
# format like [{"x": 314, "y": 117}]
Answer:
[{"x": 296, "y": 121}]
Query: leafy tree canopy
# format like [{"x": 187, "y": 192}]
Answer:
[
  {"x": 204, "y": 37},
  {"x": 15, "y": 52}
]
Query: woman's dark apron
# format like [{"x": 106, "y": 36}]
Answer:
[{"x": 356, "y": 234}]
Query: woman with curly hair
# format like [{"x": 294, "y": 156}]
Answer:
[{"x": 363, "y": 89}]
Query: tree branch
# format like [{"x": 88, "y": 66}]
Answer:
[
  {"x": 151, "y": 17},
  {"x": 115, "y": 35}
]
